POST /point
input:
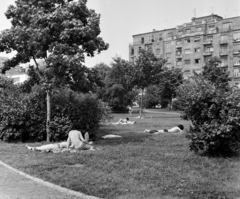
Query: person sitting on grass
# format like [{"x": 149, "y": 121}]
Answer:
[
  {"x": 123, "y": 121},
  {"x": 75, "y": 141},
  {"x": 176, "y": 129}
]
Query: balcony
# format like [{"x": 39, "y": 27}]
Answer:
[
  {"x": 237, "y": 63},
  {"x": 223, "y": 53},
  {"x": 236, "y": 52},
  {"x": 179, "y": 55},
  {"x": 207, "y": 42},
  {"x": 236, "y": 40},
  {"x": 207, "y": 53},
  {"x": 212, "y": 31},
  {"x": 179, "y": 45},
  {"x": 224, "y": 41}
]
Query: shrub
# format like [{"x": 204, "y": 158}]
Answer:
[
  {"x": 23, "y": 116},
  {"x": 177, "y": 105},
  {"x": 215, "y": 116}
]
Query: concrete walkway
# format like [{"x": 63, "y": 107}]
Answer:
[{"x": 17, "y": 185}]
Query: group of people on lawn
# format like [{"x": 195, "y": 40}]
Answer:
[{"x": 76, "y": 140}]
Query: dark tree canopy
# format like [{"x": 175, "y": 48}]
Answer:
[
  {"x": 215, "y": 74},
  {"x": 146, "y": 69},
  {"x": 59, "y": 31}
]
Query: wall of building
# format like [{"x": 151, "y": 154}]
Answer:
[{"x": 209, "y": 36}]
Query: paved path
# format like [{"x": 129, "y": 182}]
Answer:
[{"x": 16, "y": 186}]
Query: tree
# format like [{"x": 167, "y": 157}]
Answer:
[
  {"x": 60, "y": 32},
  {"x": 101, "y": 70},
  {"x": 119, "y": 88},
  {"x": 214, "y": 115},
  {"x": 170, "y": 80},
  {"x": 215, "y": 74},
  {"x": 146, "y": 71}
]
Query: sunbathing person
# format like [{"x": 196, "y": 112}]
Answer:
[
  {"x": 124, "y": 121},
  {"x": 176, "y": 129},
  {"x": 75, "y": 141}
]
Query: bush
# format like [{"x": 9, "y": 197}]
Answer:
[
  {"x": 215, "y": 116},
  {"x": 164, "y": 103},
  {"x": 177, "y": 105},
  {"x": 23, "y": 116}
]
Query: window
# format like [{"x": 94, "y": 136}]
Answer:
[
  {"x": 180, "y": 32},
  {"x": 179, "y": 62},
  {"x": 142, "y": 39},
  {"x": 132, "y": 59},
  {"x": 139, "y": 49},
  {"x": 209, "y": 38},
  {"x": 199, "y": 29},
  {"x": 187, "y": 61},
  {"x": 211, "y": 27},
  {"x": 236, "y": 72},
  {"x": 168, "y": 44},
  {"x": 197, "y": 61},
  {"x": 224, "y": 48},
  {"x": 197, "y": 50},
  {"x": 168, "y": 55},
  {"x": 170, "y": 35},
  {"x": 132, "y": 51},
  {"x": 187, "y": 51},
  {"x": 149, "y": 47},
  {"x": 227, "y": 26},
  {"x": 224, "y": 37},
  {"x": 178, "y": 43},
  {"x": 157, "y": 49},
  {"x": 197, "y": 39},
  {"x": 151, "y": 38},
  {"x": 188, "y": 31},
  {"x": 187, "y": 41},
  {"x": 179, "y": 53},
  {"x": 208, "y": 49}
]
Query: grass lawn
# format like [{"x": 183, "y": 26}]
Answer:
[{"x": 136, "y": 166}]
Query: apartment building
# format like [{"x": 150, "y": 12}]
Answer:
[{"x": 190, "y": 45}]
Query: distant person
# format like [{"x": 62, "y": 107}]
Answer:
[
  {"x": 176, "y": 129},
  {"x": 75, "y": 141},
  {"x": 130, "y": 110},
  {"x": 123, "y": 121}
]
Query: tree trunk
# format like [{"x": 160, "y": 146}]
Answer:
[
  {"x": 48, "y": 116},
  {"x": 141, "y": 104}
]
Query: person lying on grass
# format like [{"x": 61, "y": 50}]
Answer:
[
  {"x": 123, "y": 121},
  {"x": 75, "y": 141},
  {"x": 176, "y": 129}
]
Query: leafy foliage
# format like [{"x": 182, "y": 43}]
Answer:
[
  {"x": 119, "y": 92},
  {"x": 22, "y": 115},
  {"x": 214, "y": 113},
  {"x": 170, "y": 80},
  {"x": 151, "y": 97},
  {"x": 216, "y": 74},
  {"x": 60, "y": 33},
  {"x": 147, "y": 69}
]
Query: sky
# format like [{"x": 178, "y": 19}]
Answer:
[{"x": 120, "y": 19}]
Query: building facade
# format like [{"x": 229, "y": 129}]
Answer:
[
  {"x": 18, "y": 74},
  {"x": 190, "y": 45}
]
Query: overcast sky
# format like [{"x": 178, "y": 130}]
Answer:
[{"x": 120, "y": 19}]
